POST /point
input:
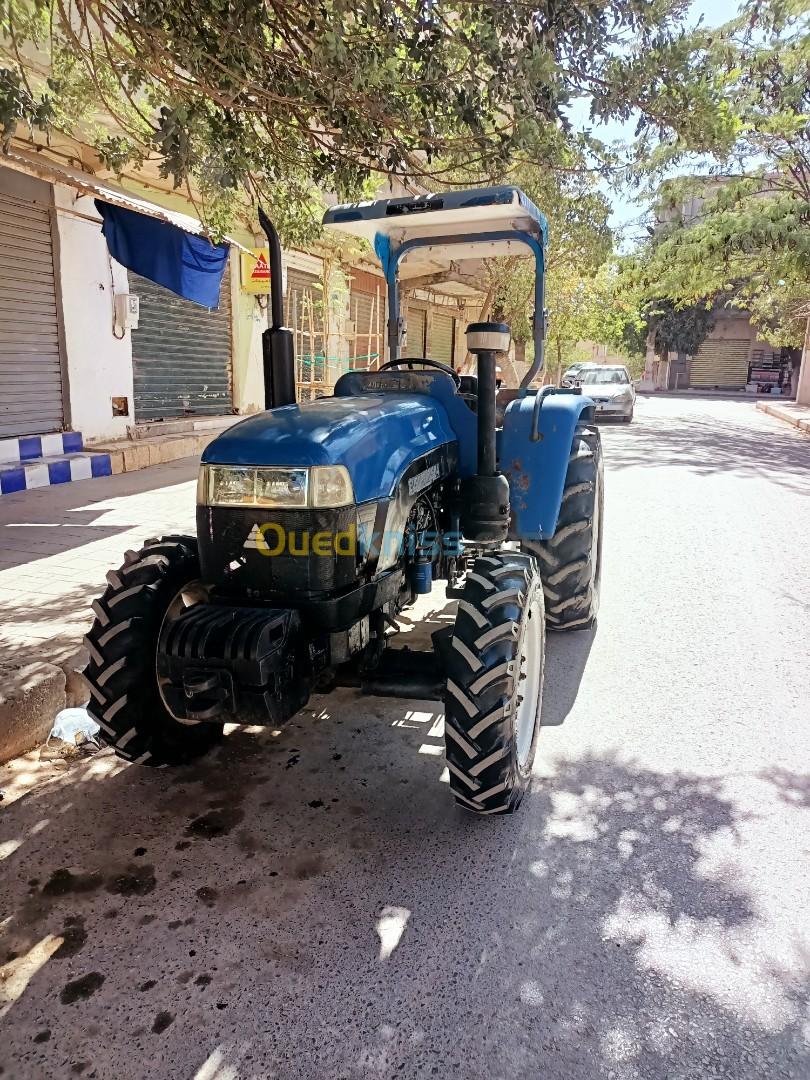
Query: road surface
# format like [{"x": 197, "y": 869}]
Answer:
[{"x": 308, "y": 905}]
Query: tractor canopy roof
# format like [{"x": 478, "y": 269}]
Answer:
[{"x": 445, "y": 235}]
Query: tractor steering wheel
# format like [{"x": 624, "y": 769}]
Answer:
[{"x": 409, "y": 361}]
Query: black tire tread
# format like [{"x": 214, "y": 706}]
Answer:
[
  {"x": 570, "y": 578},
  {"x": 482, "y": 690},
  {"x": 122, "y": 644}
]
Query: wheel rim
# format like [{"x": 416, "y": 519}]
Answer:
[
  {"x": 529, "y": 682},
  {"x": 192, "y": 593},
  {"x": 596, "y": 529}
]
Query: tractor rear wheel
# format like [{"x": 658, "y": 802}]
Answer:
[
  {"x": 571, "y": 560},
  {"x": 160, "y": 579},
  {"x": 495, "y": 683}
]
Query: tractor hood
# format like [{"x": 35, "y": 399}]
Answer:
[{"x": 376, "y": 436}]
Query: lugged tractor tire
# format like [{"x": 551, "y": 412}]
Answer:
[
  {"x": 571, "y": 560},
  {"x": 122, "y": 643},
  {"x": 495, "y": 665}
]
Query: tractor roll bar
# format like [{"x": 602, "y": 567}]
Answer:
[{"x": 392, "y": 256}]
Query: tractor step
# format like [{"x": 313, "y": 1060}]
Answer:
[{"x": 405, "y": 673}]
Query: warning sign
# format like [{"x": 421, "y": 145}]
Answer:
[
  {"x": 261, "y": 270},
  {"x": 255, "y": 271}
]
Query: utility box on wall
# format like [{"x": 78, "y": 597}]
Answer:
[{"x": 127, "y": 311}]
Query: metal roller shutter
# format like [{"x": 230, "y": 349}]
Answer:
[
  {"x": 442, "y": 338},
  {"x": 416, "y": 325},
  {"x": 30, "y": 358},
  {"x": 181, "y": 354},
  {"x": 720, "y": 363}
]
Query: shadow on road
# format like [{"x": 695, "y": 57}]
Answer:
[
  {"x": 566, "y": 658},
  {"x": 709, "y": 444},
  {"x": 309, "y": 904},
  {"x": 58, "y": 543},
  {"x": 42, "y": 523}
]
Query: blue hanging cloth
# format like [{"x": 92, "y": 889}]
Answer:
[{"x": 189, "y": 265}]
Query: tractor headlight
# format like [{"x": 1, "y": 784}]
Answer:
[
  {"x": 324, "y": 486},
  {"x": 281, "y": 487},
  {"x": 330, "y": 486}
]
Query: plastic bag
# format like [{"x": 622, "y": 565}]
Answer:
[{"x": 74, "y": 726}]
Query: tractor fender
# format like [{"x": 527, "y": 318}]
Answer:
[{"x": 536, "y": 467}]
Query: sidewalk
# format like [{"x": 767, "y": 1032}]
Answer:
[
  {"x": 703, "y": 394},
  {"x": 789, "y": 411},
  {"x": 56, "y": 546}
]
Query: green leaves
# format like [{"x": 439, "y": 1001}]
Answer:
[
  {"x": 337, "y": 92},
  {"x": 18, "y": 104},
  {"x": 739, "y": 235},
  {"x": 580, "y": 241},
  {"x": 679, "y": 330}
]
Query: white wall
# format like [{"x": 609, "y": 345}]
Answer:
[
  {"x": 248, "y": 321},
  {"x": 99, "y": 365}
]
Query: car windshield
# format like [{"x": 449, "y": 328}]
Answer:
[{"x": 604, "y": 377}]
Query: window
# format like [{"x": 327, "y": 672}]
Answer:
[{"x": 604, "y": 376}]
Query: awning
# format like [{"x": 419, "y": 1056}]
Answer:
[
  {"x": 190, "y": 266},
  {"x": 56, "y": 173},
  {"x": 168, "y": 247}
]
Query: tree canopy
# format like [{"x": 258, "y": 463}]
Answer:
[
  {"x": 738, "y": 234},
  {"x": 281, "y": 100},
  {"x": 283, "y": 96}
]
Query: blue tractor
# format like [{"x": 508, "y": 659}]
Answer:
[{"x": 317, "y": 523}]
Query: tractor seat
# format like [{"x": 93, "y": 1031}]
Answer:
[{"x": 468, "y": 390}]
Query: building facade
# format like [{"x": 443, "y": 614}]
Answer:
[
  {"x": 733, "y": 357},
  {"x": 73, "y": 358}
]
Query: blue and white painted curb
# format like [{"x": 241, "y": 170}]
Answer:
[
  {"x": 35, "y": 461},
  {"x": 29, "y": 447}
]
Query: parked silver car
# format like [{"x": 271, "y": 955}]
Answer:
[
  {"x": 573, "y": 374},
  {"x": 611, "y": 388}
]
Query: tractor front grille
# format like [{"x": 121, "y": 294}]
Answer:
[{"x": 278, "y": 555}]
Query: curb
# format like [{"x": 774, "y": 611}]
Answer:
[
  {"x": 783, "y": 414},
  {"x": 30, "y": 698},
  {"x": 697, "y": 395},
  {"x": 141, "y": 453}
]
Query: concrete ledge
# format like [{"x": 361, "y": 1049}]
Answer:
[
  {"x": 695, "y": 395},
  {"x": 789, "y": 412},
  {"x": 127, "y": 456},
  {"x": 30, "y": 698},
  {"x": 189, "y": 425}
]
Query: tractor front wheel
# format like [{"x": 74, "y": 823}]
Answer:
[
  {"x": 154, "y": 583},
  {"x": 495, "y": 683}
]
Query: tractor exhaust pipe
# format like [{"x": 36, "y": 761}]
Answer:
[
  {"x": 278, "y": 348},
  {"x": 485, "y": 497}
]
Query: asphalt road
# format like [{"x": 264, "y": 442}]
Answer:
[{"x": 309, "y": 904}]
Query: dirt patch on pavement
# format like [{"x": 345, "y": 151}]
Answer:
[
  {"x": 215, "y": 823},
  {"x": 82, "y": 988}
]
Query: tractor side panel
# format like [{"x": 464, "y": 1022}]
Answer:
[{"x": 536, "y": 469}]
